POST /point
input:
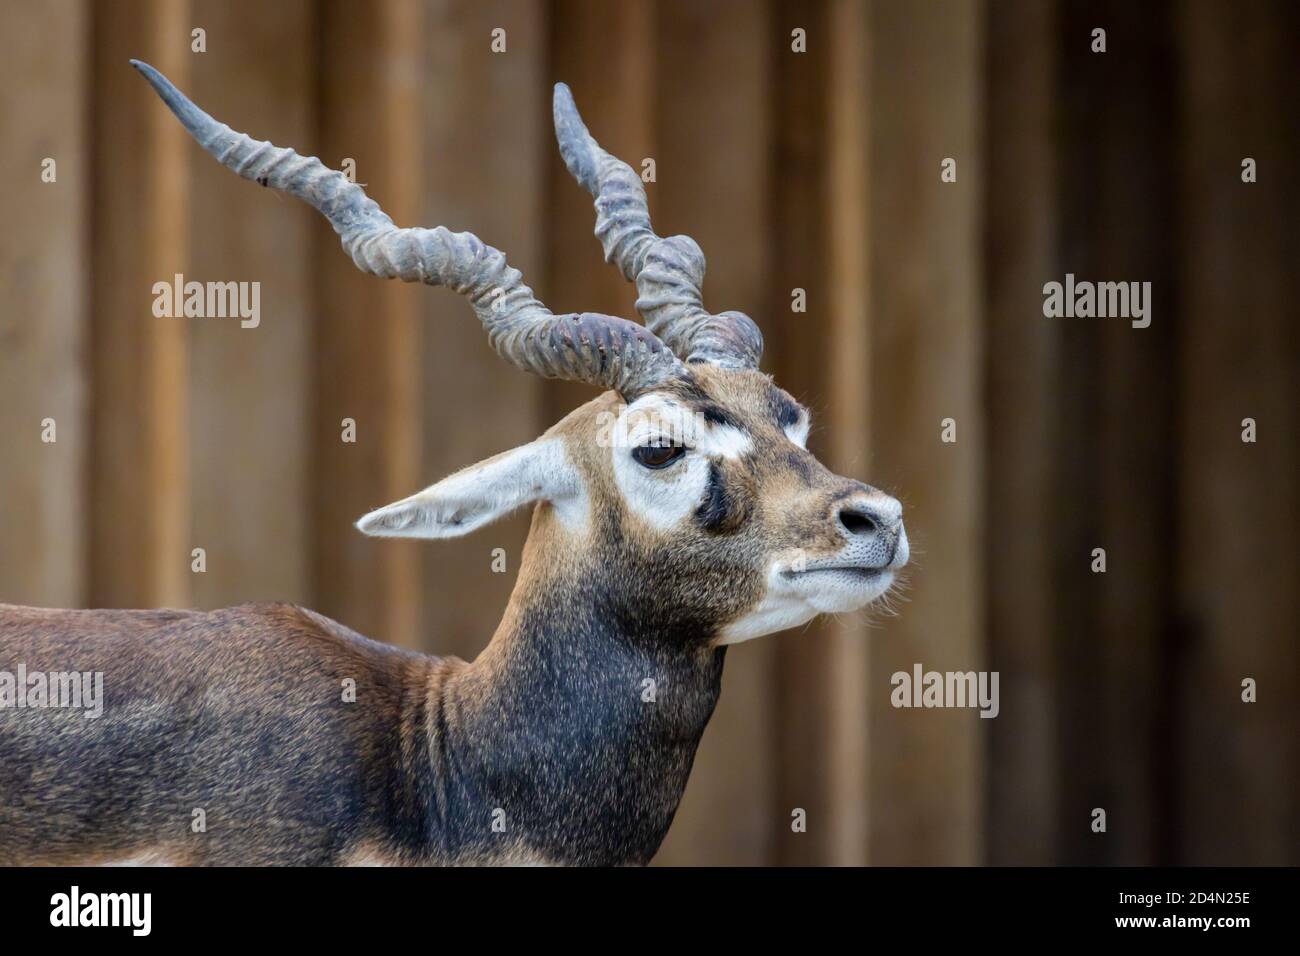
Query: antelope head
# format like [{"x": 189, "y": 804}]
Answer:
[{"x": 682, "y": 503}]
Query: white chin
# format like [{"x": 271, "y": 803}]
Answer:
[
  {"x": 837, "y": 591},
  {"x": 795, "y": 599}
]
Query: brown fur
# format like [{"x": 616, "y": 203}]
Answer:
[{"x": 240, "y": 712}]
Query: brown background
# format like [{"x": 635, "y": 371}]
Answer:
[{"x": 818, "y": 171}]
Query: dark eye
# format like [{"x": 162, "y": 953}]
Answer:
[{"x": 657, "y": 456}]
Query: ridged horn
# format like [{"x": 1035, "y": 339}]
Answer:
[
  {"x": 583, "y": 347},
  {"x": 669, "y": 273}
]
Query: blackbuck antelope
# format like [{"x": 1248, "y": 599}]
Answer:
[{"x": 675, "y": 514}]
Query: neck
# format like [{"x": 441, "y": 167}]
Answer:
[{"x": 571, "y": 738}]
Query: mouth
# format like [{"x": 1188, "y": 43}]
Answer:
[
  {"x": 838, "y": 588},
  {"x": 796, "y": 596},
  {"x": 849, "y": 573}
]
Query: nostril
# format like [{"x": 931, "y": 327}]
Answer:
[{"x": 855, "y": 522}]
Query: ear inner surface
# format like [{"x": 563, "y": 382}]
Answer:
[{"x": 482, "y": 493}]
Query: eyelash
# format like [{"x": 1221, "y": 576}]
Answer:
[{"x": 641, "y": 453}]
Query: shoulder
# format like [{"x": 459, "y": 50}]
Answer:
[{"x": 292, "y": 624}]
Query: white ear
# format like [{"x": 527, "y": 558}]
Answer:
[{"x": 480, "y": 494}]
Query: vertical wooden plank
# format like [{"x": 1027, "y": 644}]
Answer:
[
  {"x": 43, "y": 304},
  {"x": 1076, "y": 529},
  {"x": 796, "y": 354},
  {"x": 248, "y": 387},
  {"x": 712, "y": 165},
  {"x": 822, "y": 355},
  {"x": 1021, "y": 376},
  {"x": 139, "y": 507},
  {"x": 604, "y": 51},
  {"x": 1240, "y": 516},
  {"x": 821, "y": 117},
  {"x": 1138, "y": 211},
  {"x": 849, "y": 414},
  {"x": 488, "y": 146},
  {"x": 368, "y": 332},
  {"x": 1116, "y": 630},
  {"x": 927, "y": 765}
]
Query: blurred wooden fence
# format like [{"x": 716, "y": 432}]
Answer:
[{"x": 818, "y": 171}]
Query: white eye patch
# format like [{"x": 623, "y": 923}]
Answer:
[
  {"x": 798, "y": 432},
  {"x": 723, "y": 441},
  {"x": 663, "y": 498},
  {"x": 657, "y": 419}
]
